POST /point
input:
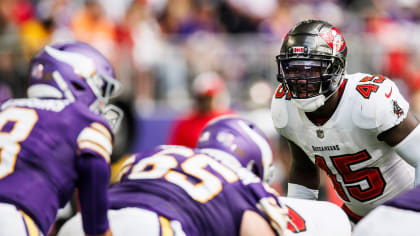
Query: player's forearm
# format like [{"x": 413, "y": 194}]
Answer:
[
  {"x": 305, "y": 175},
  {"x": 93, "y": 196},
  {"x": 303, "y": 183}
]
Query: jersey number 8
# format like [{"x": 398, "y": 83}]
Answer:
[{"x": 15, "y": 126}]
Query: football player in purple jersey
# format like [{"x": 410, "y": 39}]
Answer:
[
  {"x": 215, "y": 189},
  {"x": 398, "y": 216},
  {"x": 176, "y": 190},
  {"x": 58, "y": 139}
]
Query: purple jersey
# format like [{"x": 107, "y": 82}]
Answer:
[
  {"x": 47, "y": 149},
  {"x": 409, "y": 200},
  {"x": 206, "y": 196}
]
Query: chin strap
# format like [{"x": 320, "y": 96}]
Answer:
[
  {"x": 309, "y": 104},
  {"x": 313, "y": 103}
]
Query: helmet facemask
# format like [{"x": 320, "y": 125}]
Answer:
[
  {"x": 105, "y": 88},
  {"x": 307, "y": 78}
]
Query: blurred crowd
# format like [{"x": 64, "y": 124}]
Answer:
[{"x": 159, "y": 46}]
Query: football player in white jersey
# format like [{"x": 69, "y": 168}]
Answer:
[{"x": 355, "y": 127}]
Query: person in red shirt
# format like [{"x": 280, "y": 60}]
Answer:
[{"x": 211, "y": 99}]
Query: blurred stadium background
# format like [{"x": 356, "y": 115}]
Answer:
[{"x": 159, "y": 46}]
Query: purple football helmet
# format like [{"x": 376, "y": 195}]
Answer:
[
  {"x": 77, "y": 72},
  {"x": 242, "y": 139}
]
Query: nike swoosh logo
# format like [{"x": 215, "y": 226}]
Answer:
[{"x": 388, "y": 94}]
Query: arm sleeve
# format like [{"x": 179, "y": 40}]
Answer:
[{"x": 94, "y": 174}]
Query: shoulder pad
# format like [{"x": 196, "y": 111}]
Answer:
[
  {"x": 278, "y": 108},
  {"x": 378, "y": 104},
  {"x": 96, "y": 138},
  {"x": 55, "y": 105}
]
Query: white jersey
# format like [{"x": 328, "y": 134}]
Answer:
[
  {"x": 307, "y": 218},
  {"x": 16, "y": 222},
  {"x": 315, "y": 218},
  {"x": 365, "y": 172},
  {"x": 128, "y": 221},
  {"x": 389, "y": 221}
]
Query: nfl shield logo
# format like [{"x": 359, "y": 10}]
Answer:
[{"x": 320, "y": 133}]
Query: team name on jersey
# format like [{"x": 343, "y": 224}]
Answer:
[
  {"x": 326, "y": 148},
  {"x": 43, "y": 104}
]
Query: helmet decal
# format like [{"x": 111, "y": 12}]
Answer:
[
  {"x": 37, "y": 71},
  {"x": 81, "y": 64},
  {"x": 334, "y": 39},
  {"x": 227, "y": 139}
]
